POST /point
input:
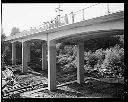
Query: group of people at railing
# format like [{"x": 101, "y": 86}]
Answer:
[{"x": 57, "y": 22}]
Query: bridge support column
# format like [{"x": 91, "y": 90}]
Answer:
[
  {"x": 44, "y": 58},
  {"x": 80, "y": 62},
  {"x": 51, "y": 65},
  {"x": 13, "y": 53},
  {"x": 25, "y": 56}
]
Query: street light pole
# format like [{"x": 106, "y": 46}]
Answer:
[{"x": 58, "y": 16}]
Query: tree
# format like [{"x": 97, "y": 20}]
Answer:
[
  {"x": 15, "y": 30},
  {"x": 3, "y": 36},
  {"x": 5, "y": 49}
]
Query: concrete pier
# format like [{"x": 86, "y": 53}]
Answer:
[
  {"x": 80, "y": 62},
  {"x": 51, "y": 65}
]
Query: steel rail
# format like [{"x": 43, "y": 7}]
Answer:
[{"x": 23, "y": 89}]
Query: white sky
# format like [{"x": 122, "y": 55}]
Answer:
[{"x": 26, "y": 15}]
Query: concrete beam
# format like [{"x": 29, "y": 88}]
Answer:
[
  {"x": 44, "y": 56},
  {"x": 13, "y": 53},
  {"x": 51, "y": 65},
  {"x": 80, "y": 62}
]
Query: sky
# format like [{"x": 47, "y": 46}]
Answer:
[{"x": 24, "y": 16}]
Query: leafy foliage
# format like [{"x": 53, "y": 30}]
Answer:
[
  {"x": 95, "y": 58},
  {"x": 109, "y": 62},
  {"x": 5, "y": 50},
  {"x": 100, "y": 53},
  {"x": 114, "y": 60},
  {"x": 92, "y": 60},
  {"x": 15, "y": 30}
]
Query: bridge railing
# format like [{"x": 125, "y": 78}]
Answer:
[{"x": 93, "y": 11}]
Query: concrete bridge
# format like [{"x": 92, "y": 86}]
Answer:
[{"x": 102, "y": 26}]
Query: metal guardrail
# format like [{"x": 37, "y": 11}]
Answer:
[{"x": 93, "y": 11}]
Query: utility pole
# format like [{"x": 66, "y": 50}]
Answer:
[
  {"x": 58, "y": 16},
  {"x": 108, "y": 8},
  {"x": 58, "y": 10}
]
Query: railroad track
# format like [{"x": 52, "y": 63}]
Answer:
[
  {"x": 11, "y": 86},
  {"x": 21, "y": 89}
]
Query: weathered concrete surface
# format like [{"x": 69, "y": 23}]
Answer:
[
  {"x": 13, "y": 53},
  {"x": 44, "y": 56},
  {"x": 51, "y": 65},
  {"x": 80, "y": 62},
  {"x": 25, "y": 56}
]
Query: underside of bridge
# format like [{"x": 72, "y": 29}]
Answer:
[
  {"x": 24, "y": 53},
  {"x": 90, "y": 35},
  {"x": 21, "y": 51}
]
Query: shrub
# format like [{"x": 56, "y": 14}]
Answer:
[
  {"x": 100, "y": 53},
  {"x": 87, "y": 54},
  {"x": 92, "y": 60},
  {"x": 114, "y": 60},
  {"x": 66, "y": 63},
  {"x": 62, "y": 60}
]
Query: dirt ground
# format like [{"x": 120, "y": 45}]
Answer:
[{"x": 90, "y": 89}]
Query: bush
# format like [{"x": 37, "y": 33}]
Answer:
[
  {"x": 87, "y": 54},
  {"x": 66, "y": 63},
  {"x": 92, "y": 60},
  {"x": 100, "y": 53},
  {"x": 95, "y": 58},
  {"x": 109, "y": 62},
  {"x": 114, "y": 60},
  {"x": 62, "y": 60}
]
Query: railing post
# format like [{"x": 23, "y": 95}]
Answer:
[
  {"x": 52, "y": 24},
  {"x": 66, "y": 18},
  {"x": 56, "y": 22},
  {"x": 108, "y": 8},
  {"x": 83, "y": 14},
  {"x": 59, "y": 21},
  {"x": 72, "y": 17}
]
